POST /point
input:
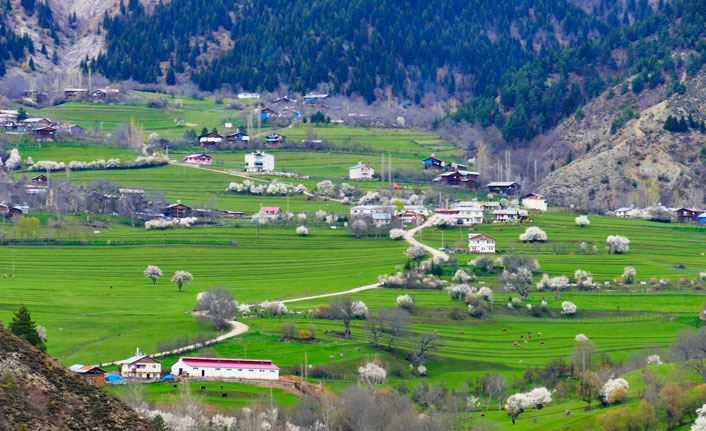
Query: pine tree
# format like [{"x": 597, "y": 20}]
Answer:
[
  {"x": 683, "y": 126},
  {"x": 23, "y": 326},
  {"x": 55, "y": 58},
  {"x": 171, "y": 78},
  {"x": 21, "y": 114},
  {"x": 31, "y": 63},
  {"x": 672, "y": 124}
]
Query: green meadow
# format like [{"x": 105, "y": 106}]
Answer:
[{"x": 97, "y": 306}]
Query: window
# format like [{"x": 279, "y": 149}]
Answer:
[
  {"x": 240, "y": 369},
  {"x": 218, "y": 369},
  {"x": 196, "y": 368},
  {"x": 227, "y": 369}
]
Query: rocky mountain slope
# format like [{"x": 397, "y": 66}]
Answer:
[
  {"x": 38, "y": 393},
  {"x": 637, "y": 163}
]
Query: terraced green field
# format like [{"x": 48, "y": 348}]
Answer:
[
  {"x": 97, "y": 306},
  {"x": 69, "y": 151}
]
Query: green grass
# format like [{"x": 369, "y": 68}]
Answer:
[
  {"x": 68, "y": 288},
  {"x": 238, "y": 395},
  {"x": 69, "y": 151}
]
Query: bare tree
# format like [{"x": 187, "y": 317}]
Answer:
[
  {"x": 217, "y": 304},
  {"x": 421, "y": 346},
  {"x": 690, "y": 348},
  {"x": 493, "y": 386},
  {"x": 345, "y": 309},
  {"x": 390, "y": 324}
]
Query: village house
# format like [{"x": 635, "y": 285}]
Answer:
[
  {"x": 510, "y": 215},
  {"x": 71, "y": 129},
  {"x": 313, "y": 98},
  {"x": 283, "y": 101},
  {"x": 75, "y": 93},
  {"x": 140, "y": 366},
  {"x": 15, "y": 211},
  {"x": 270, "y": 213},
  {"x": 102, "y": 95},
  {"x": 37, "y": 122},
  {"x": 504, "y": 187},
  {"x": 248, "y": 95},
  {"x": 198, "y": 159},
  {"x": 210, "y": 139},
  {"x": 8, "y": 117},
  {"x": 92, "y": 374},
  {"x": 688, "y": 215},
  {"x": 623, "y": 212},
  {"x": 480, "y": 243},
  {"x": 534, "y": 201},
  {"x": 381, "y": 218},
  {"x": 40, "y": 179},
  {"x": 238, "y": 137},
  {"x": 432, "y": 162},
  {"x": 45, "y": 134},
  {"x": 259, "y": 162},
  {"x": 368, "y": 210},
  {"x": 177, "y": 210},
  {"x": 464, "y": 179},
  {"x": 275, "y": 139},
  {"x": 4, "y": 209},
  {"x": 361, "y": 171},
  {"x": 463, "y": 215},
  {"x": 225, "y": 368},
  {"x": 702, "y": 217},
  {"x": 411, "y": 217},
  {"x": 267, "y": 114}
]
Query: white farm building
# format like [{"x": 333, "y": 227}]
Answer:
[
  {"x": 480, "y": 243},
  {"x": 361, "y": 171},
  {"x": 259, "y": 162},
  {"x": 226, "y": 368}
]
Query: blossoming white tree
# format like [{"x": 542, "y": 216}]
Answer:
[
  {"x": 302, "y": 231},
  {"x": 700, "y": 422},
  {"x": 568, "y": 307},
  {"x": 14, "y": 161},
  {"x": 373, "y": 375},
  {"x": 486, "y": 293},
  {"x": 320, "y": 215},
  {"x": 533, "y": 234},
  {"x": 459, "y": 292},
  {"x": 275, "y": 308},
  {"x": 584, "y": 280},
  {"x": 461, "y": 276},
  {"x": 153, "y": 273},
  {"x": 617, "y": 244},
  {"x": 614, "y": 391},
  {"x": 556, "y": 284},
  {"x": 181, "y": 277},
  {"x": 415, "y": 252},
  {"x": 405, "y": 301},
  {"x": 654, "y": 360},
  {"x": 518, "y": 403},
  {"x": 582, "y": 221},
  {"x": 396, "y": 233},
  {"x": 629, "y": 274},
  {"x": 217, "y": 304},
  {"x": 580, "y": 338}
]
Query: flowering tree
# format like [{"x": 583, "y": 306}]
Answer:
[
  {"x": 582, "y": 221},
  {"x": 275, "y": 308},
  {"x": 405, "y": 302},
  {"x": 373, "y": 375},
  {"x": 629, "y": 274},
  {"x": 217, "y": 304},
  {"x": 518, "y": 403},
  {"x": 617, "y": 244},
  {"x": 301, "y": 216},
  {"x": 347, "y": 310},
  {"x": 359, "y": 226},
  {"x": 584, "y": 280},
  {"x": 580, "y": 338},
  {"x": 614, "y": 391},
  {"x": 517, "y": 280},
  {"x": 181, "y": 278},
  {"x": 14, "y": 161},
  {"x": 486, "y": 293},
  {"x": 415, "y": 252},
  {"x": 302, "y": 231},
  {"x": 654, "y": 360},
  {"x": 153, "y": 273},
  {"x": 320, "y": 215},
  {"x": 700, "y": 422},
  {"x": 461, "y": 276},
  {"x": 556, "y": 284},
  {"x": 459, "y": 292},
  {"x": 533, "y": 234},
  {"x": 484, "y": 263},
  {"x": 396, "y": 233},
  {"x": 568, "y": 307}
]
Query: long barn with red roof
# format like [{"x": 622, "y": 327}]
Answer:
[{"x": 226, "y": 368}]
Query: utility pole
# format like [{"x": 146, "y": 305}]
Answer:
[
  {"x": 535, "y": 170},
  {"x": 389, "y": 170},
  {"x": 382, "y": 169}
]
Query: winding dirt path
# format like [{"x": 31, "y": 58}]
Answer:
[{"x": 409, "y": 237}]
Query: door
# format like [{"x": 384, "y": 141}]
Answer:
[
  {"x": 181, "y": 370},
  {"x": 203, "y": 373}
]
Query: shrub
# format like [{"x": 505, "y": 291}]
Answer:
[{"x": 305, "y": 334}]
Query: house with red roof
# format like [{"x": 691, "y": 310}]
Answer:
[{"x": 226, "y": 368}]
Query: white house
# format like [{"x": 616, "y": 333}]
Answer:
[
  {"x": 480, "y": 243},
  {"x": 259, "y": 162},
  {"x": 361, "y": 172},
  {"x": 509, "y": 215},
  {"x": 226, "y": 368},
  {"x": 140, "y": 366},
  {"x": 469, "y": 215},
  {"x": 369, "y": 210},
  {"x": 534, "y": 201},
  {"x": 623, "y": 212}
]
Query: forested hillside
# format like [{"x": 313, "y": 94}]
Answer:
[
  {"x": 441, "y": 47},
  {"x": 552, "y": 87},
  {"x": 12, "y": 45}
]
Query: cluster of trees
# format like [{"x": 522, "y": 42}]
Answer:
[
  {"x": 538, "y": 95},
  {"x": 23, "y": 326},
  {"x": 12, "y": 45},
  {"x": 355, "y": 49},
  {"x": 682, "y": 125}
]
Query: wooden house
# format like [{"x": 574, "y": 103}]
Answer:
[
  {"x": 40, "y": 179},
  {"x": 177, "y": 210},
  {"x": 434, "y": 163},
  {"x": 45, "y": 134},
  {"x": 688, "y": 215},
  {"x": 102, "y": 95},
  {"x": 275, "y": 139},
  {"x": 140, "y": 366},
  {"x": 238, "y": 137},
  {"x": 71, "y": 129},
  {"x": 37, "y": 122},
  {"x": 210, "y": 139},
  {"x": 504, "y": 187},
  {"x": 267, "y": 114},
  {"x": 283, "y": 101},
  {"x": 465, "y": 179},
  {"x": 92, "y": 374},
  {"x": 14, "y": 212},
  {"x": 75, "y": 93},
  {"x": 4, "y": 209},
  {"x": 623, "y": 212},
  {"x": 313, "y": 98},
  {"x": 198, "y": 159}
]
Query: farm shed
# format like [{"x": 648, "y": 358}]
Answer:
[{"x": 226, "y": 368}]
